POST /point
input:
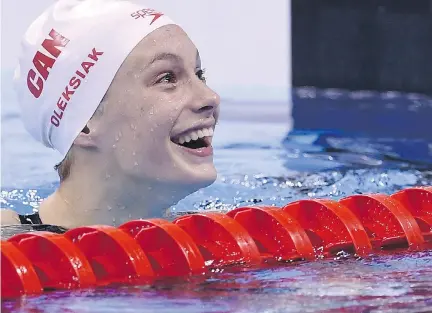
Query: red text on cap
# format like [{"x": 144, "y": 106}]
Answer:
[
  {"x": 147, "y": 12},
  {"x": 43, "y": 62},
  {"x": 74, "y": 83}
]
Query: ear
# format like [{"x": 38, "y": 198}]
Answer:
[{"x": 85, "y": 139}]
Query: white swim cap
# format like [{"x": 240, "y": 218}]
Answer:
[{"x": 70, "y": 55}]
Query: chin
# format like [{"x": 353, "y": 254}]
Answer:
[
  {"x": 191, "y": 182},
  {"x": 204, "y": 178},
  {"x": 198, "y": 177}
]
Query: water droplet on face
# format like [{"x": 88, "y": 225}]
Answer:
[
  {"x": 118, "y": 136},
  {"x": 109, "y": 208},
  {"x": 151, "y": 129},
  {"x": 136, "y": 164},
  {"x": 133, "y": 153}
]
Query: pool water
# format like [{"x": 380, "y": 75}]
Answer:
[{"x": 259, "y": 162}]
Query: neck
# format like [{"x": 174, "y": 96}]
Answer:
[{"x": 106, "y": 199}]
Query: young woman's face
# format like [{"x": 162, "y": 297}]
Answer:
[{"x": 159, "y": 114}]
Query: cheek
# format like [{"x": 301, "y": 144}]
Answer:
[
  {"x": 159, "y": 117},
  {"x": 143, "y": 124},
  {"x": 144, "y": 137}
]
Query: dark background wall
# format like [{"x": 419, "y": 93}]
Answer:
[{"x": 363, "y": 44}]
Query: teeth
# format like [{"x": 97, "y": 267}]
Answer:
[
  {"x": 194, "y": 135},
  {"x": 206, "y": 132}
]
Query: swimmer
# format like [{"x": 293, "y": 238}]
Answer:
[{"x": 119, "y": 90}]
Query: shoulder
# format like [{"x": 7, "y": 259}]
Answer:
[
  {"x": 9, "y": 217},
  {"x": 13, "y": 224}
]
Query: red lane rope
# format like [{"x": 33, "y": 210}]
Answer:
[
  {"x": 169, "y": 248},
  {"x": 330, "y": 225},
  {"x": 221, "y": 240},
  {"x": 18, "y": 274},
  {"x": 142, "y": 250},
  {"x": 418, "y": 201},
  {"x": 114, "y": 256},
  {"x": 388, "y": 222},
  {"x": 59, "y": 264},
  {"x": 279, "y": 237}
]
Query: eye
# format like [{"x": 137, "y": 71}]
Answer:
[
  {"x": 168, "y": 78},
  {"x": 200, "y": 75}
]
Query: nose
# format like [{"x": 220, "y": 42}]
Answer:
[{"x": 207, "y": 100}]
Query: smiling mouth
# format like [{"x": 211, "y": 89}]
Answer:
[{"x": 195, "y": 139}]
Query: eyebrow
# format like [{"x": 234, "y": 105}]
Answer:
[
  {"x": 172, "y": 56},
  {"x": 165, "y": 56}
]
